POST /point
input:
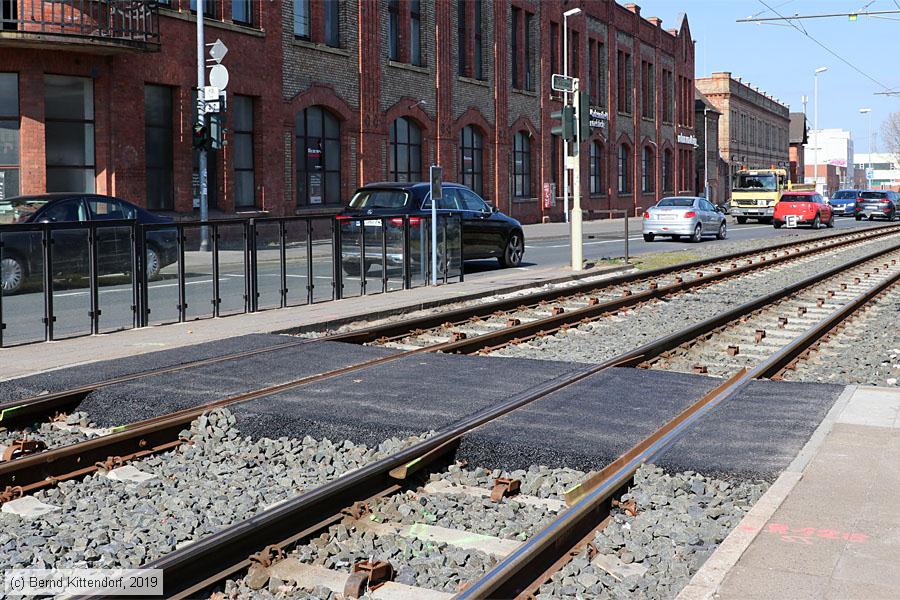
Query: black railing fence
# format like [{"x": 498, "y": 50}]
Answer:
[
  {"x": 61, "y": 280},
  {"x": 132, "y": 21}
]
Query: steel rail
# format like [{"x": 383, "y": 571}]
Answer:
[
  {"x": 190, "y": 569},
  {"x": 514, "y": 576},
  {"x": 44, "y": 469},
  {"x": 22, "y": 411},
  {"x": 459, "y": 316}
]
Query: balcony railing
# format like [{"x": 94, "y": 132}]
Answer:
[{"x": 130, "y": 24}]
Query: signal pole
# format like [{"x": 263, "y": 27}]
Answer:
[
  {"x": 201, "y": 118},
  {"x": 577, "y": 249}
]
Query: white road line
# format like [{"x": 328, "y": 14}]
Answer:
[{"x": 632, "y": 239}]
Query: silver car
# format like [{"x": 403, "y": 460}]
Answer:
[{"x": 684, "y": 216}]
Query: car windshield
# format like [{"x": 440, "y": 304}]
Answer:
[
  {"x": 18, "y": 210},
  {"x": 875, "y": 195},
  {"x": 756, "y": 182},
  {"x": 379, "y": 199},
  {"x": 797, "y": 198},
  {"x": 682, "y": 202},
  {"x": 844, "y": 195}
]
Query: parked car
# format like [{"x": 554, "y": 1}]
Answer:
[
  {"x": 22, "y": 255},
  {"x": 486, "y": 232},
  {"x": 843, "y": 202},
  {"x": 802, "y": 208},
  {"x": 684, "y": 216},
  {"x": 882, "y": 204}
]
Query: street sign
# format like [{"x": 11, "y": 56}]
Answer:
[
  {"x": 870, "y": 173},
  {"x": 218, "y": 50},
  {"x": 599, "y": 118},
  {"x": 218, "y": 76},
  {"x": 212, "y": 106},
  {"x": 562, "y": 83}
]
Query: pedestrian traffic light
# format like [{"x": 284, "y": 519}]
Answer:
[
  {"x": 201, "y": 135},
  {"x": 566, "y": 127},
  {"x": 584, "y": 116}
]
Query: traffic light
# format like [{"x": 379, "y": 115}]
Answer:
[
  {"x": 566, "y": 127},
  {"x": 216, "y": 131},
  {"x": 584, "y": 116},
  {"x": 201, "y": 135}
]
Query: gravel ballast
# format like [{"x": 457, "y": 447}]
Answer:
[
  {"x": 601, "y": 340},
  {"x": 218, "y": 479},
  {"x": 680, "y": 520},
  {"x": 75, "y": 428}
]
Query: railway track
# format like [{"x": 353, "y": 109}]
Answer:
[
  {"x": 471, "y": 329},
  {"x": 257, "y": 543}
]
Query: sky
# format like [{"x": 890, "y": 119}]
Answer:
[{"x": 781, "y": 60}]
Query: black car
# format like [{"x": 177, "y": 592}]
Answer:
[
  {"x": 486, "y": 232},
  {"x": 22, "y": 255},
  {"x": 882, "y": 204}
]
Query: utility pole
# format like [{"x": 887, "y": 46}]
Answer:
[
  {"x": 577, "y": 250},
  {"x": 565, "y": 58},
  {"x": 816, "y": 127},
  {"x": 705, "y": 153},
  {"x": 201, "y": 119}
]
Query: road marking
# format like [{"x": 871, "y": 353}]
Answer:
[{"x": 636, "y": 238}]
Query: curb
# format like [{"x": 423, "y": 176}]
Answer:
[
  {"x": 390, "y": 312},
  {"x": 705, "y": 583}
]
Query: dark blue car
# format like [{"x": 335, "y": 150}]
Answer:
[
  {"x": 486, "y": 232},
  {"x": 22, "y": 255},
  {"x": 843, "y": 202}
]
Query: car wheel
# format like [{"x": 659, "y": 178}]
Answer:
[
  {"x": 723, "y": 231},
  {"x": 816, "y": 222},
  {"x": 871, "y": 217},
  {"x": 893, "y": 216},
  {"x": 153, "y": 263},
  {"x": 648, "y": 237},
  {"x": 741, "y": 220},
  {"x": 515, "y": 250},
  {"x": 698, "y": 234},
  {"x": 830, "y": 222},
  {"x": 858, "y": 218},
  {"x": 12, "y": 274}
]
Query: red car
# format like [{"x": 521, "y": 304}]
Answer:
[{"x": 802, "y": 208}]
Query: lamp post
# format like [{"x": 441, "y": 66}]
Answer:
[
  {"x": 868, "y": 111},
  {"x": 816, "y": 126},
  {"x": 565, "y": 58}
]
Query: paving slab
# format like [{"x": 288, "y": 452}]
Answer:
[{"x": 830, "y": 526}]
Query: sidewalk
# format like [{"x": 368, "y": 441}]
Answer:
[
  {"x": 830, "y": 525},
  {"x": 33, "y": 358}
]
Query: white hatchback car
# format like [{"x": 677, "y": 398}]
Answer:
[{"x": 687, "y": 216}]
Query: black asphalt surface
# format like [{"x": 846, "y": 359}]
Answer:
[
  {"x": 756, "y": 434},
  {"x": 409, "y": 396},
  {"x": 62, "y": 379}
]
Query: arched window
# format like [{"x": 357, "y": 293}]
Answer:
[
  {"x": 471, "y": 157},
  {"x": 318, "y": 143},
  {"x": 624, "y": 169},
  {"x": 648, "y": 170},
  {"x": 596, "y": 167},
  {"x": 521, "y": 165},
  {"x": 405, "y": 151},
  {"x": 667, "y": 171}
]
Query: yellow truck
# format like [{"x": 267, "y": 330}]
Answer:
[{"x": 756, "y": 191}]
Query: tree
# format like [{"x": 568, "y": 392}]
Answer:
[{"x": 890, "y": 132}]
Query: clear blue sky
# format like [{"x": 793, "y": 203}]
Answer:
[{"x": 781, "y": 60}]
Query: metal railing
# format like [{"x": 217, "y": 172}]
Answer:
[
  {"x": 129, "y": 21},
  {"x": 68, "y": 279}
]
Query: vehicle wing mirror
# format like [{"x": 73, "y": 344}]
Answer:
[{"x": 493, "y": 209}]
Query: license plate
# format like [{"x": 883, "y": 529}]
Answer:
[
  {"x": 372, "y": 222},
  {"x": 665, "y": 217},
  {"x": 791, "y": 220}
]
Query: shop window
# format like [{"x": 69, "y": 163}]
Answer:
[
  {"x": 318, "y": 146},
  {"x": 69, "y": 133}
]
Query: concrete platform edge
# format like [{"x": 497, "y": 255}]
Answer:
[
  {"x": 705, "y": 583},
  {"x": 390, "y": 312}
]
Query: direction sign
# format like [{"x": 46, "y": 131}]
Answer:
[{"x": 562, "y": 83}]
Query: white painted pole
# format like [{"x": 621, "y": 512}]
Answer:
[
  {"x": 201, "y": 117},
  {"x": 565, "y": 171},
  {"x": 577, "y": 241}
]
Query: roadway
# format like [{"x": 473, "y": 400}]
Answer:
[{"x": 23, "y": 313}]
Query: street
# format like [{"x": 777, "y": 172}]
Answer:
[{"x": 23, "y": 313}]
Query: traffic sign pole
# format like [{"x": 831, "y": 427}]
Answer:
[
  {"x": 201, "y": 118},
  {"x": 576, "y": 242}
]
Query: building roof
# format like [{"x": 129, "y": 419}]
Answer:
[
  {"x": 798, "y": 129},
  {"x": 700, "y": 100}
]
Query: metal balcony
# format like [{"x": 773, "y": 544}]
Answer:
[{"x": 99, "y": 26}]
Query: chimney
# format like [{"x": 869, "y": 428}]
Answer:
[
  {"x": 656, "y": 21},
  {"x": 634, "y": 8}
]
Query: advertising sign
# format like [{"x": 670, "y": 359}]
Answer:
[
  {"x": 599, "y": 118},
  {"x": 549, "y": 195}
]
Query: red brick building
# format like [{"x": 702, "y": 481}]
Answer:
[{"x": 327, "y": 94}]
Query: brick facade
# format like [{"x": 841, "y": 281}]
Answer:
[
  {"x": 753, "y": 128},
  {"x": 357, "y": 82}
]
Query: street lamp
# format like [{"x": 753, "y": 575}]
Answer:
[
  {"x": 565, "y": 58},
  {"x": 816, "y": 128},
  {"x": 868, "y": 111}
]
